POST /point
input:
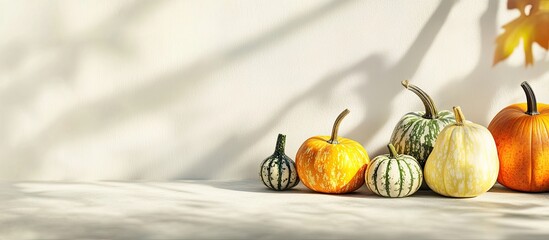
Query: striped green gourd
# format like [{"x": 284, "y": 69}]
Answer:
[
  {"x": 278, "y": 171},
  {"x": 394, "y": 175},
  {"x": 416, "y": 132}
]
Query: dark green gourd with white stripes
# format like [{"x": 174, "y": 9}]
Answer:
[
  {"x": 278, "y": 171},
  {"x": 416, "y": 132},
  {"x": 394, "y": 175}
]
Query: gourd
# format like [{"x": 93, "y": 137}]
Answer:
[
  {"x": 394, "y": 175},
  {"x": 416, "y": 132},
  {"x": 278, "y": 172},
  {"x": 464, "y": 161},
  {"x": 332, "y": 164},
  {"x": 521, "y": 132}
]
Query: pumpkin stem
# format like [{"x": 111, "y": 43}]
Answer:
[
  {"x": 392, "y": 151},
  {"x": 280, "y": 143},
  {"x": 530, "y": 99},
  {"x": 335, "y": 129},
  {"x": 430, "y": 108},
  {"x": 460, "y": 119}
]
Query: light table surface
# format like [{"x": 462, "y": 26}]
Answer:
[{"x": 247, "y": 210}]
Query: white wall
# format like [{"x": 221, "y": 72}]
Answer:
[{"x": 121, "y": 90}]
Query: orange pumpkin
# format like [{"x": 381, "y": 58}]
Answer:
[
  {"x": 521, "y": 132},
  {"x": 332, "y": 164}
]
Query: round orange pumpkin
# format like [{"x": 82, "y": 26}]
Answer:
[
  {"x": 521, "y": 132},
  {"x": 332, "y": 164}
]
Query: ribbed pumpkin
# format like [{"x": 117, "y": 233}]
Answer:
[
  {"x": 332, "y": 164},
  {"x": 416, "y": 132},
  {"x": 278, "y": 171},
  {"x": 464, "y": 160},
  {"x": 394, "y": 175},
  {"x": 521, "y": 132}
]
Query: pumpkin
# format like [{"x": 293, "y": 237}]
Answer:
[
  {"x": 416, "y": 132},
  {"x": 332, "y": 164},
  {"x": 464, "y": 161},
  {"x": 394, "y": 175},
  {"x": 521, "y": 132},
  {"x": 278, "y": 172}
]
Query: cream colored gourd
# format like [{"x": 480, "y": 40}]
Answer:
[
  {"x": 464, "y": 161},
  {"x": 393, "y": 174}
]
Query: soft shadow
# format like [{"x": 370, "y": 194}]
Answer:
[
  {"x": 254, "y": 186},
  {"x": 22, "y": 160},
  {"x": 107, "y": 210},
  {"x": 258, "y": 187},
  {"x": 501, "y": 189},
  {"x": 112, "y": 111},
  {"x": 378, "y": 94},
  {"x": 68, "y": 52},
  {"x": 378, "y": 99},
  {"x": 34, "y": 210},
  {"x": 527, "y": 236}
]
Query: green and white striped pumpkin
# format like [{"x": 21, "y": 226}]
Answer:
[
  {"x": 394, "y": 175},
  {"x": 416, "y": 132},
  {"x": 278, "y": 171}
]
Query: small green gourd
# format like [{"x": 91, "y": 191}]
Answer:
[{"x": 278, "y": 172}]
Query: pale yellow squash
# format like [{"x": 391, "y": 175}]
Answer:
[{"x": 464, "y": 161}]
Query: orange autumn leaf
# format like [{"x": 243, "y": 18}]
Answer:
[{"x": 530, "y": 27}]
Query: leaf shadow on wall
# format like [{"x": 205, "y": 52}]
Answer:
[
  {"x": 64, "y": 53},
  {"x": 376, "y": 93},
  {"x": 233, "y": 146},
  {"x": 25, "y": 159},
  {"x": 374, "y": 68},
  {"x": 63, "y": 57},
  {"x": 479, "y": 83},
  {"x": 105, "y": 114}
]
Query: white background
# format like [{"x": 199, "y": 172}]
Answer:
[{"x": 126, "y": 90}]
